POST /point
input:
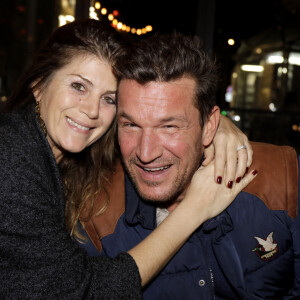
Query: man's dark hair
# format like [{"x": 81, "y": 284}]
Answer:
[{"x": 169, "y": 57}]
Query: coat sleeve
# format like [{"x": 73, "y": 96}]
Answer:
[
  {"x": 296, "y": 242},
  {"x": 38, "y": 259}
]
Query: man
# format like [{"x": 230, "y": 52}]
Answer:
[{"x": 166, "y": 101}]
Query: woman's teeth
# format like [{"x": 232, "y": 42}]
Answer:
[{"x": 77, "y": 125}]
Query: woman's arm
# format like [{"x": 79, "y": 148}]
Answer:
[
  {"x": 38, "y": 258},
  {"x": 230, "y": 164},
  {"x": 204, "y": 200}
]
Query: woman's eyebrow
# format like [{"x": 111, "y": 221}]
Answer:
[
  {"x": 83, "y": 78},
  {"x": 91, "y": 83}
]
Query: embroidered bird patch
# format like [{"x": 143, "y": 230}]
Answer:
[{"x": 266, "y": 248}]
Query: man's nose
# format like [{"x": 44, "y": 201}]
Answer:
[{"x": 149, "y": 147}]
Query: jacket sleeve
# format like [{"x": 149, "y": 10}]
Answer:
[
  {"x": 296, "y": 241},
  {"x": 38, "y": 259}
]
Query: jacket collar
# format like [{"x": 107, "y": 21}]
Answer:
[{"x": 137, "y": 210}]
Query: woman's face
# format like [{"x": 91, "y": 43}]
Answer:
[{"x": 78, "y": 104}]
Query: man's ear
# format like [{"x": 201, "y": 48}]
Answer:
[{"x": 210, "y": 127}]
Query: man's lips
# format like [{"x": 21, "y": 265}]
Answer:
[{"x": 154, "y": 170}]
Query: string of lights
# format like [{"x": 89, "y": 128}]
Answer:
[{"x": 97, "y": 9}]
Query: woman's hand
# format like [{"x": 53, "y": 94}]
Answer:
[
  {"x": 225, "y": 154},
  {"x": 210, "y": 198}
]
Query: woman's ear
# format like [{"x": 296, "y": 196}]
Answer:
[
  {"x": 36, "y": 91},
  {"x": 210, "y": 127}
]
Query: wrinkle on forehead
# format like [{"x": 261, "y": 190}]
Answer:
[
  {"x": 159, "y": 94},
  {"x": 159, "y": 102}
]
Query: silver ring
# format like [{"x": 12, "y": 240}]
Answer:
[{"x": 241, "y": 147}]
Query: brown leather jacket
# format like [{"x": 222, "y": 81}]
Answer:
[{"x": 276, "y": 184}]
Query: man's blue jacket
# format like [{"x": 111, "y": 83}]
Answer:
[{"x": 246, "y": 252}]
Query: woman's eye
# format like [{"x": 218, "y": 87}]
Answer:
[
  {"x": 110, "y": 100},
  {"x": 78, "y": 86}
]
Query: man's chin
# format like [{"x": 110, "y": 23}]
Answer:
[
  {"x": 166, "y": 203},
  {"x": 156, "y": 192},
  {"x": 159, "y": 198}
]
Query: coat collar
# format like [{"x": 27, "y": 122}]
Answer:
[{"x": 137, "y": 210}]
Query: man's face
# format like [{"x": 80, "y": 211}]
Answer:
[{"x": 160, "y": 136}]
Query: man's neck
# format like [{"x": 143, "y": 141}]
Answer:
[
  {"x": 179, "y": 198},
  {"x": 174, "y": 204},
  {"x": 171, "y": 207}
]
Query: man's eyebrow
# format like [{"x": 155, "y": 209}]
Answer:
[
  {"x": 169, "y": 119},
  {"x": 122, "y": 114},
  {"x": 173, "y": 118}
]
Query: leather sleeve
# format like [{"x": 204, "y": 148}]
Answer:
[
  {"x": 104, "y": 224},
  {"x": 277, "y": 180}
]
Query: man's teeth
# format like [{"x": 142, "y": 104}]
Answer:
[
  {"x": 156, "y": 169},
  {"x": 77, "y": 125}
]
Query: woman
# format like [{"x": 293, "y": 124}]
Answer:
[{"x": 63, "y": 106}]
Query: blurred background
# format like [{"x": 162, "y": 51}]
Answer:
[{"x": 256, "y": 44}]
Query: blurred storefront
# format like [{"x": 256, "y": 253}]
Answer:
[
  {"x": 24, "y": 24},
  {"x": 264, "y": 94}
]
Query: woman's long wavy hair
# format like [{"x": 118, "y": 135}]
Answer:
[{"x": 84, "y": 174}]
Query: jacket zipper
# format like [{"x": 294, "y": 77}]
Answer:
[
  {"x": 212, "y": 281},
  {"x": 211, "y": 274}
]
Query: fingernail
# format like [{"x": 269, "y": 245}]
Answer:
[
  {"x": 238, "y": 179},
  {"x": 247, "y": 169},
  {"x": 254, "y": 172},
  {"x": 219, "y": 180},
  {"x": 229, "y": 184}
]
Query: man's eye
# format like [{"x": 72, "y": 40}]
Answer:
[
  {"x": 78, "y": 86},
  {"x": 129, "y": 125},
  {"x": 110, "y": 100}
]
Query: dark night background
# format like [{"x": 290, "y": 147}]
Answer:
[
  {"x": 24, "y": 24},
  {"x": 214, "y": 20}
]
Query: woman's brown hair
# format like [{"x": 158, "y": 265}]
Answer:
[{"x": 84, "y": 174}]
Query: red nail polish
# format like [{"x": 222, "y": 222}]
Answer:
[
  {"x": 229, "y": 184},
  {"x": 238, "y": 179},
  {"x": 219, "y": 180},
  {"x": 254, "y": 172}
]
